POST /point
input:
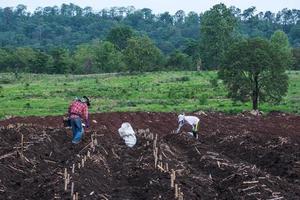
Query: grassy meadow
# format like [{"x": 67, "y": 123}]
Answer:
[{"x": 39, "y": 94}]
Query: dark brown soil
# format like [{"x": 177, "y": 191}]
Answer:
[{"x": 236, "y": 157}]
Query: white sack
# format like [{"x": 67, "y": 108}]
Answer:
[{"x": 126, "y": 132}]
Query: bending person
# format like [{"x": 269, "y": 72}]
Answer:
[
  {"x": 191, "y": 120},
  {"x": 78, "y": 111}
]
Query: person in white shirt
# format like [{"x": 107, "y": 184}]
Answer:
[{"x": 191, "y": 120}]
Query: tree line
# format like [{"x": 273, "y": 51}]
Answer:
[{"x": 71, "y": 39}]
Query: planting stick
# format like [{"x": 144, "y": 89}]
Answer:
[
  {"x": 72, "y": 189},
  {"x": 77, "y": 196},
  {"x": 73, "y": 168},
  {"x": 74, "y": 197}
]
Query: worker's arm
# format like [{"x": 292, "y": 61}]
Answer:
[
  {"x": 179, "y": 126},
  {"x": 86, "y": 116}
]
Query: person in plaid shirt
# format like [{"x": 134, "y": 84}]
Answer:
[{"x": 78, "y": 111}]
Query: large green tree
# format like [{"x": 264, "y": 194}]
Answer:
[
  {"x": 180, "y": 61},
  {"x": 60, "y": 61},
  {"x": 142, "y": 55},
  {"x": 119, "y": 36},
  {"x": 98, "y": 57},
  {"x": 252, "y": 70},
  {"x": 217, "y": 26},
  {"x": 108, "y": 58}
]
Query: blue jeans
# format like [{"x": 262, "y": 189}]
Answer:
[{"x": 77, "y": 130}]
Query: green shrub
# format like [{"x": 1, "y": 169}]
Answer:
[
  {"x": 203, "y": 99},
  {"x": 214, "y": 82},
  {"x": 183, "y": 79},
  {"x": 27, "y": 106}
]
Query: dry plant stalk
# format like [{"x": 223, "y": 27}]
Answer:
[
  {"x": 77, "y": 196},
  {"x": 161, "y": 168},
  {"x": 176, "y": 190},
  {"x": 155, "y": 156},
  {"x": 82, "y": 162},
  {"x": 95, "y": 142},
  {"x": 72, "y": 189},
  {"x": 73, "y": 168},
  {"x": 22, "y": 146},
  {"x": 68, "y": 179},
  {"x": 172, "y": 178},
  {"x": 174, "y": 174},
  {"x": 65, "y": 173},
  {"x": 180, "y": 196},
  {"x": 66, "y": 184},
  {"x": 92, "y": 141},
  {"x": 167, "y": 167}
]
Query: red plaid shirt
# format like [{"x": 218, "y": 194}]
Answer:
[{"x": 78, "y": 109}]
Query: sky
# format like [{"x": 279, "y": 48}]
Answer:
[{"x": 160, "y": 6}]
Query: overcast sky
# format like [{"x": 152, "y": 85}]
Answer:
[{"x": 159, "y": 6}]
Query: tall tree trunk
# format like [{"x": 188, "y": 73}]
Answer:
[{"x": 255, "y": 93}]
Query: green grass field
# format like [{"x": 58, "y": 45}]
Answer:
[{"x": 33, "y": 94}]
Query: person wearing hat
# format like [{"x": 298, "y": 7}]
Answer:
[
  {"x": 191, "y": 120},
  {"x": 78, "y": 112}
]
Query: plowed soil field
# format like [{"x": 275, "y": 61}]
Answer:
[{"x": 236, "y": 157}]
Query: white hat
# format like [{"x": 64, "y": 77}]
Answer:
[{"x": 180, "y": 117}]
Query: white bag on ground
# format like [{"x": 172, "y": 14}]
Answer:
[{"x": 126, "y": 132}]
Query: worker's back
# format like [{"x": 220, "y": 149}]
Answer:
[{"x": 192, "y": 120}]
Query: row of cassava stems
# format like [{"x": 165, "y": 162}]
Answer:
[
  {"x": 164, "y": 167},
  {"x": 81, "y": 164},
  {"x": 158, "y": 164}
]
